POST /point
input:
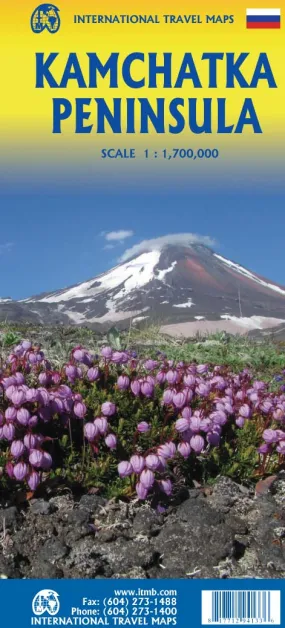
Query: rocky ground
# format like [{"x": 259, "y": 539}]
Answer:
[{"x": 226, "y": 531}]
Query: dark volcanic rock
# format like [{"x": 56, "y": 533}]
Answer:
[
  {"x": 224, "y": 532},
  {"x": 8, "y": 518},
  {"x": 41, "y": 507},
  {"x": 194, "y": 537},
  {"x": 92, "y": 503}
]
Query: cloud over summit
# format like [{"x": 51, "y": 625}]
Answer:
[{"x": 158, "y": 243}]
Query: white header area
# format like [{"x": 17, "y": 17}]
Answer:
[{"x": 262, "y": 12}]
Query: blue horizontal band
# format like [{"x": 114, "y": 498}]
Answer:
[{"x": 263, "y": 18}]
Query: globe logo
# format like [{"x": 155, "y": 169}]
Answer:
[
  {"x": 45, "y": 16},
  {"x": 46, "y": 601}
]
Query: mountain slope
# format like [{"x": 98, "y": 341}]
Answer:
[{"x": 174, "y": 284}]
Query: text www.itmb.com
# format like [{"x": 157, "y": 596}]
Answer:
[{"x": 145, "y": 592}]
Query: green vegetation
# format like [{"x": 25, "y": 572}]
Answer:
[
  {"x": 60, "y": 382},
  {"x": 264, "y": 357}
]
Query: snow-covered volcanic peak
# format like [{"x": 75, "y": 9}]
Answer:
[
  {"x": 115, "y": 288},
  {"x": 247, "y": 273},
  {"x": 171, "y": 283},
  {"x": 129, "y": 276},
  {"x": 115, "y": 295}
]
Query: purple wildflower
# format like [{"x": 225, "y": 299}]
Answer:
[
  {"x": 270, "y": 436},
  {"x": 141, "y": 491},
  {"x": 166, "y": 486},
  {"x": 123, "y": 382},
  {"x": 79, "y": 409},
  {"x": 184, "y": 449},
  {"x": 135, "y": 387},
  {"x": 147, "y": 478},
  {"x": 111, "y": 441},
  {"x": 17, "y": 448},
  {"x": 10, "y": 414},
  {"x": 147, "y": 389},
  {"x": 47, "y": 461},
  {"x": 36, "y": 458},
  {"x": 93, "y": 374},
  {"x": 90, "y": 431},
  {"x": 161, "y": 377},
  {"x": 197, "y": 443},
  {"x": 20, "y": 471},
  {"x": 138, "y": 463},
  {"x": 9, "y": 431},
  {"x": 125, "y": 468},
  {"x": 18, "y": 398},
  {"x": 152, "y": 462},
  {"x": 182, "y": 425},
  {"x": 171, "y": 377},
  {"x": 108, "y": 408},
  {"x": 101, "y": 424},
  {"x": 143, "y": 427},
  {"x": 33, "y": 480},
  {"x": 179, "y": 399},
  {"x": 106, "y": 352},
  {"x": 167, "y": 397}
]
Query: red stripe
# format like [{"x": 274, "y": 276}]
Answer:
[{"x": 263, "y": 25}]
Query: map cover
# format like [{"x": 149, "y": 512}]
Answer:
[{"x": 142, "y": 313}]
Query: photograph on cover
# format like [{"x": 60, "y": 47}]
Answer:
[{"x": 142, "y": 304}]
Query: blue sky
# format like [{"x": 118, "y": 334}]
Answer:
[{"x": 51, "y": 238}]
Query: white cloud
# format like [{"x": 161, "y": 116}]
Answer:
[
  {"x": 117, "y": 236},
  {"x": 159, "y": 243},
  {"x": 6, "y": 247}
]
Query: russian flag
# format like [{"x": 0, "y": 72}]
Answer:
[{"x": 263, "y": 18}]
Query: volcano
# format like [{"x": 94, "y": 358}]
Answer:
[{"x": 172, "y": 285}]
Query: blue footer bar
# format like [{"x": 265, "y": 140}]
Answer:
[{"x": 101, "y": 602}]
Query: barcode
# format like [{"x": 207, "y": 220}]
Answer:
[{"x": 241, "y": 607}]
